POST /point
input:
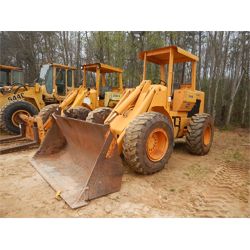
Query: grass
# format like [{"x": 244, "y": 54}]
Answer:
[
  {"x": 196, "y": 171},
  {"x": 232, "y": 155},
  {"x": 238, "y": 156}
]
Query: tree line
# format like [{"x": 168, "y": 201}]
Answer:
[{"x": 222, "y": 73}]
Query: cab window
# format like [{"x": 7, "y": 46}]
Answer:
[
  {"x": 3, "y": 78},
  {"x": 46, "y": 77},
  {"x": 60, "y": 81},
  {"x": 17, "y": 77},
  {"x": 69, "y": 78},
  {"x": 49, "y": 80}
]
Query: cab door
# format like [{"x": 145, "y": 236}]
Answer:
[
  {"x": 70, "y": 80},
  {"x": 61, "y": 82}
]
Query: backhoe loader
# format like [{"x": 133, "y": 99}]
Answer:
[
  {"x": 53, "y": 84},
  {"x": 81, "y": 159},
  {"x": 77, "y": 104}
]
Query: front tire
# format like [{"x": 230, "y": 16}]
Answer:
[
  {"x": 79, "y": 112},
  {"x": 148, "y": 143},
  {"x": 9, "y": 120},
  {"x": 99, "y": 115},
  {"x": 200, "y": 134},
  {"x": 47, "y": 111}
]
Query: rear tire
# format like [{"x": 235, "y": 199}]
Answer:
[
  {"x": 80, "y": 113},
  {"x": 148, "y": 143},
  {"x": 99, "y": 115},
  {"x": 9, "y": 121},
  {"x": 200, "y": 134},
  {"x": 47, "y": 111}
]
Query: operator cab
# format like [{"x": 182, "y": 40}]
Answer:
[
  {"x": 57, "y": 78},
  {"x": 102, "y": 77},
  {"x": 10, "y": 75},
  {"x": 178, "y": 74}
]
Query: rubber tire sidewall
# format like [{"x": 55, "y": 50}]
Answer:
[
  {"x": 151, "y": 165},
  {"x": 99, "y": 115},
  {"x": 195, "y": 139},
  {"x": 208, "y": 122},
  {"x": 47, "y": 111},
  {"x": 11, "y": 109},
  {"x": 79, "y": 113},
  {"x": 146, "y": 166}
]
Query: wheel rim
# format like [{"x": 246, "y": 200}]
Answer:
[
  {"x": 207, "y": 135},
  {"x": 157, "y": 144},
  {"x": 15, "y": 117}
]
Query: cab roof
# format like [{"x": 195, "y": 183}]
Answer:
[
  {"x": 104, "y": 68},
  {"x": 8, "y": 67},
  {"x": 62, "y": 66},
  {"x": 161, "y": 55}
]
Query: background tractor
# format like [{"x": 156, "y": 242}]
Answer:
[
  {"x": 53, "y": 84},
  {"x": 11, "y": 81},
  {"x": 101, "y": 87},
  {"x": 10, "y": 75},
  {"x": 141, "y": 127}
]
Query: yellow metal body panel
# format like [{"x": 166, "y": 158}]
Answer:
[
  {"x": 185, "y": 99},
  {"x": 4, "y": 99},
  {"x": 104, "y": 68},
  {"x": 111, "y": 99},
  {"x": 30, "y": 95},
  {"x": 162, "y": 55},
  {"x": 7, "y": 67}
]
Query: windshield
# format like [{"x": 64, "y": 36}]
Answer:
[
  {"x": 44, "y": 73},
  {"x": 17, "y": 77},
  {"x": 46, "y": 77},
  {"x": 3, "y": 78}
]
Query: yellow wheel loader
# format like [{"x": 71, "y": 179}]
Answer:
[
  {"x": 81, "y": 159},
  {"x": 11, "y": 84},
  {"x": 96, "y": 91},
  {"x": 54, "y": 83}
]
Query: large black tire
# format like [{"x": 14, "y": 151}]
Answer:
[
  {"x": 200, "y": 132},
  {"x": 135, "y": 143},
  {"x": 47, "y": 111},
  {"x": 99, "y": 115},
  {"x": 9, "y": 115},
  {"x": 80, "y": 113}
]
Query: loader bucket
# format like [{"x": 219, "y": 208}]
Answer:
[{"x": 79, "y": 160}]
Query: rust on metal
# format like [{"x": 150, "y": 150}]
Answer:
[
  {"x": 111, "y": 148},
  {"x": 28, "y": 144},
  {"x": 72, "y": 159}
]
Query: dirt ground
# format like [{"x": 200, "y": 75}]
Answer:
[{"x": 215, "y": 185}]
